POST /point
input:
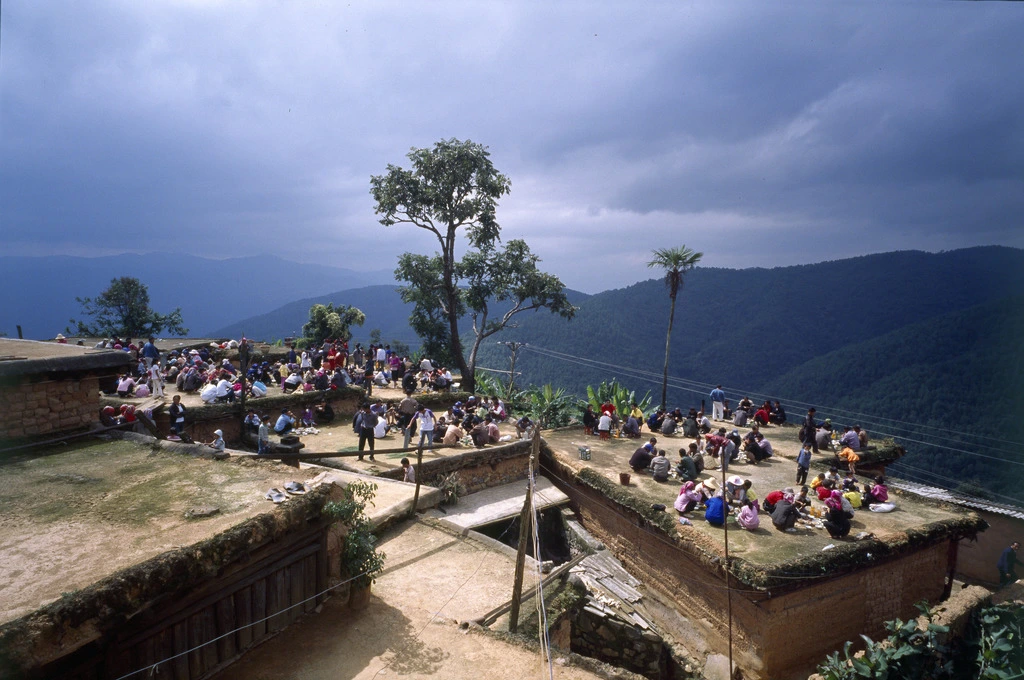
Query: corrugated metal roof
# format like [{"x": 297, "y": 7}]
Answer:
[{"x": 957, "y": 498}]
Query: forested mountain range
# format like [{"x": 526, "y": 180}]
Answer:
[{"x": 41, "y": 291}]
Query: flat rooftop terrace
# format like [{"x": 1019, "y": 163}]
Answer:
[
  {"x": 765, "y": 547},
  {"x": 79, "y": 513}
]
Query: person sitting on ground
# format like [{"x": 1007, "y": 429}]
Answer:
[
  {"x": 707, "y": 489},
  {"x": 217, "y": 443},
  {"x": 453, "y": 434},
  {"x": 862, "y": 435},
  {"x": 849, "y": 481},
  {"x": 589, "y": 420},
  {"x": 765, "y": 445},
  {"x": 849, "y": 439},
  {"x": 833, "y": 476},
  {"x": 879, "y": 493},
  {"x": 285, "y": 422},
  {"x": 745, "y": 405},
  {"x": 818, "y": 480},
  {"x": 739, "y": 418},
  {"x": 825, "y": 490},
  {"x": 209, "y": 393},
  {"x": 497, "y": 410},
  {"x": 778, "y": 416},
  {"x": 480, "y": 435},
  {"x": 225, "y": 391},
  {"x": 853, "y": 497},
  {"x": 823, "y": 438},
  {"x": 252, "y": 421},
  {"x": 656, "y": 420},
  {"x": 763, "y": 415},
  {"x": 802, "y": 502},
  {"x": 716, "y": 511},
  {"x": 108, "y": 416},
  {"x": 126, "y": 386},
  {"x": 686, "y": 468},
  {"x": 641, "y": 459},
  {"x": 631, "y": 428},
  {"x": 690, "y": 428},
  {"x": 524, "y": 427},
  {"x": 836, "y": 521},
  {"x": 258, "y": 389},
  {"x": 660, "y": 466},
  {"x": 380, "y": 430},
  {"x": 687, "y": 499},
  {"x": 752, "y": 448},
  {"x": 292, "y": 382},
  {"x": 604, "y": 425},
  {"x": 493, "y": 433},
  {"x": 703, "y": 424},
  {"x": 668, "y": 426},
  {"x": 747, "y": 517},
  {"x": 785, "y": 514}
]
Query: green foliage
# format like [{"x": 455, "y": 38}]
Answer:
[
  {"x": 123, "y": 310},
  {"x": 997, "y": 635},
  {"x": 360, "y": 557},
  {"x": 375, "y": 336},
  {"x": 330, "y": 322},
  {"x": 454, "y": 187},
  {"x": 991, "y": 650},
  {"x": 620, "y": 397},
  {"x": 549, "y": 407},
  {"x": 489, "y": 385},
  {"x": 451, "y": 488}
]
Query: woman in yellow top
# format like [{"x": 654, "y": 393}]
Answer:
[{"x": 638, "y": 414}]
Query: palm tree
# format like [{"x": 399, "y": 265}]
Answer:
[{"x": 676, "y": 262}]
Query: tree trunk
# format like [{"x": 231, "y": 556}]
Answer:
[
  {"x": 452, "y": 297},
  {"x": 668, "y": 340}
]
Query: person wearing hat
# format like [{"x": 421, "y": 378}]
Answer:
[
  {"x": 708, "y": 489},
  {"x": 604, "y": 425},
  {"x": 61, "y": 339},
  {"x": 218, "y": 441}
]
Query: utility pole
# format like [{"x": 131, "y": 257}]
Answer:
[
  {"x": 514, "y": 348},
  {"x": 725, "y": 525},
  {"x": 524, "y": 536}
]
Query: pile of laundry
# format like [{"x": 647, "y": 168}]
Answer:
[{"x": 290, "y": 489}]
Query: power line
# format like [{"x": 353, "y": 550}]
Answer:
[{"x": 652, "y": 377}]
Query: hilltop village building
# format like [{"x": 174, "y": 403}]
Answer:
[{"x": 209, "y": 556}]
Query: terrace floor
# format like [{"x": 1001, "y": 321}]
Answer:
[{"x": 766, "y": 545}]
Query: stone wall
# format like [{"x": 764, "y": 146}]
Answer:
[
  {"x": 36, "y": 408},
  {"x": 617, "y": 642}
]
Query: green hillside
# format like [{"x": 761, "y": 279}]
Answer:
[{"x": 954, "y": 380}]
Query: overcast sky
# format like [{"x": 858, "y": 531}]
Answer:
[{"x": 761, "y": 133}]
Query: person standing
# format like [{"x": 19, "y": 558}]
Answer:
[
  {"x": 810, "y": 430},
  {"x": 150, "y": 354},
  {"x": 1007, "y": 564},
  {"x": 406, "y": 418},
  {"x": 364, "y": 423},
  {"x": 803, "y": 463},
  {"x": 156, "y": 380},
  {"x": 718, "y": 404},
  {"x": 425, "y": 422},
  {"x": 177, "y": 414},
  {"x": 263, "y": 437}
]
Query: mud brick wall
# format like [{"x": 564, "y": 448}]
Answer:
[
  {"x": 618, "y": 643},
  {"x": 857, "y": 603},
  {"x": 765, "y": 625},
  {"x": 35, "y": 408},
  {"x": 977, "y": 559}
]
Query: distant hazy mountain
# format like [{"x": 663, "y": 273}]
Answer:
[
  {"x": 382, "y": 305},
  {"x": 40, "y": 291}
]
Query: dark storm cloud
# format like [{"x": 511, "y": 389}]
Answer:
[{"x": 760, "y": 134}]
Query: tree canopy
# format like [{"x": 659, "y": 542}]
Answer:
[
  {"x": 123, "y": 310},
  {"x": 454, "y": 187},
  {"x": 327, "y": 322}
]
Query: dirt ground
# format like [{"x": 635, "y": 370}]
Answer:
[
  {"x": 433, "y": 580},
  {"x": 764, "y": 545},
  {"x": 71, "y": 518}
]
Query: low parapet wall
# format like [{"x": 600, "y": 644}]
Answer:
[{"x": 476, "y": 468}]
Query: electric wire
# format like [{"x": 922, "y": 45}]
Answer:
[
  {"x": 542, "y": 614},
  {"x": 655, "y": 378},
  {"x": 701, "y": 387}
]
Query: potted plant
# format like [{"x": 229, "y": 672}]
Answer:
[{"x": 360, "y": 559}]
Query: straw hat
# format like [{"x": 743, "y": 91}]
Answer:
[{"x": 710, "y": 483}]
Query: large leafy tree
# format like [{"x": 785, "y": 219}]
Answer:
[
  {"x": 327, "y": 322},
  {"x": 452, "y": 189},
  {"x": 123, "y": 310},
  {"x": 676, "y": 262}
]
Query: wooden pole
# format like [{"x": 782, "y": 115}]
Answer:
[
  {"x": 524, "y": 536},
  {"x": 728, "y": 586},
  {"x": 416, "y": 495}
]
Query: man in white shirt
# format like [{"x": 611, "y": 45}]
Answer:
[
  {"x": 225, "y": 390},
  {"x": 425, "y": 422}
]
